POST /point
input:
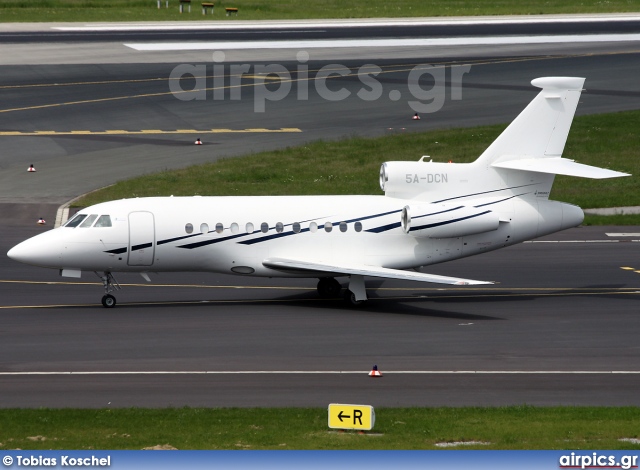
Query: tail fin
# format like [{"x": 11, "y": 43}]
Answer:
[
  {"x": 534, "y": 141},
  {"x": 542, "y": 128}
]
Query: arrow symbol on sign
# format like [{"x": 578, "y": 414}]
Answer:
[{"x": 340, "y": 415}]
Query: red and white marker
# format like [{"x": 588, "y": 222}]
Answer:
[
  {"x": 375, "y": 372},
  {"x": 41, "y": 221},
  {"x": 198, "y": 142},
  {"x": 416, "y": 117},
  {"x": 31, "y": 169}
]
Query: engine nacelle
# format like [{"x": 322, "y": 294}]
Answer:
[
  {"x": 414, "y": 176},
  {"x": 423, "y": 179},
  {"x": 447, "y": 220}
]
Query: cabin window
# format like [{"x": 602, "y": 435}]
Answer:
[
  {"x": 264, "y": 227},
  {"x": 219, "y": 228},
  {"x": 358, "y": 226},
  {"x": 188, "y": 228},
  {"x": 89, "y": 221},
  {"x": 313, "y": 227},
  {"x": 249, "y": 227},
  {"x": 103, "y": 221},
  {"x": 279, "y": 227},
  {"x": 343, "y": 227},
  {"x": 235, "y": 228},
  {"x": 328, "y": 226},
  {"x": 75, "y": 221},
  {"x": 296, "y": 227},
  {"x": 204, "y": 228}
]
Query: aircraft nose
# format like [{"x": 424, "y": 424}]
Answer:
[
  {"x": 34, "y": 252},
  {"x": 18, "y": 253},
  {"x": 23, "y": 253}
]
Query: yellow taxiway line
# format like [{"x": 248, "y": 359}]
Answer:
[
  {"x": 494, "y": 288},
  {"x": 154, "y": 131},
  {"x": 315, "y": 300},
  {"x": 440, "y": 294}
]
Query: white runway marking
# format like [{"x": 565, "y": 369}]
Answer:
[
  {"x": 622, "y": 234},
  {"x": 584, "y": 241},
  {"x": 356, "y": 43},
  {"x": 331, "y": 372},
  {"x": 313, "y": 24}
]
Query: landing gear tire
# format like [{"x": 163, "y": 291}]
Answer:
[
  {"x": 110, "y": 284},
  {"x": 328, "y": 288},
  {"x": 350, "y": 298},
  {"x": 108, "y": 301}
]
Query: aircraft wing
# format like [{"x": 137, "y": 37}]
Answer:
[{"x": 313, "y": 267}]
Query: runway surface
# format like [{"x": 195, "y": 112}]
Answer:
[
  {"x": 88, "y": 126},
  {"x": 301, "y": 30},
  {"x": 559, "y": 328}
]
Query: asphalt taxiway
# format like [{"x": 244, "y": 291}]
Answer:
[
  {"x": 560, "y": 327},
  {"x": 88, "y": 126}
]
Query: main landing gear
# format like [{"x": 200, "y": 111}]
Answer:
[
  {"x": 329, "y": 288},
  {"x": 355, "y": 295},
  {"x": 350, "y": 298},
  {"x": 110, "y": 285}
]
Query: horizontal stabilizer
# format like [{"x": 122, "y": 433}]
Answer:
[
  {"x": 559, "y": 166},
  {"x": 289, "y": 265}
]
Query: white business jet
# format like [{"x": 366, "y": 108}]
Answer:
[{"x": 430, "y": 213}]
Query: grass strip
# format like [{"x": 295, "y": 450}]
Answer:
[
  {"x": 351, "y": 166},
  {"x": 516, "y": 427},
  {"x": 618, "y": 219},
  {"x": 146, "y": 10}
]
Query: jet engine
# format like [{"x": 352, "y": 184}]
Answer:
[
  {"x": 419, "y": 180},
  {"x": 447, "y": 221}
]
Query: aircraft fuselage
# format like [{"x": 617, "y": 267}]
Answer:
[{"x": 236, "y": 234}]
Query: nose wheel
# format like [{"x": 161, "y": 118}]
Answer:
[
  {"x": 108, "y": 301},
  {"x": 110, "y": 285}
]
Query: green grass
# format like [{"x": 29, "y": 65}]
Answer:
[
  {"x": 521, "y": 427},
  {"x": 610, "y": 141},
  {"x": 146, "y": 10},
  {"x": 351, "y": 166},
  {"x": 632, "y": 219}
]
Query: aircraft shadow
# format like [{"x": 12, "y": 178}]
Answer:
[
  {"x": 380, "y": 305},
  {"x": 306, "y": 301},
  {"x": 410, "y": 303}
]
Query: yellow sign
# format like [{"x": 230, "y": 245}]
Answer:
[{"x": 351, "y": 417}]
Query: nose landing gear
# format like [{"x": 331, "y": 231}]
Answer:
[
  {"x": 110, "y": 285},
  {"x": 108, "y": 301}
]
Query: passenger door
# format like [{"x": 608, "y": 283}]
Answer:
[{"x": 142, "y": 239}]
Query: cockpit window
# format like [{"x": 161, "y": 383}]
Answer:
[
  {"x": 88, "y": 221},
  {"x": 75, "y": 221},
  {"x": 103, "y": 221}
]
